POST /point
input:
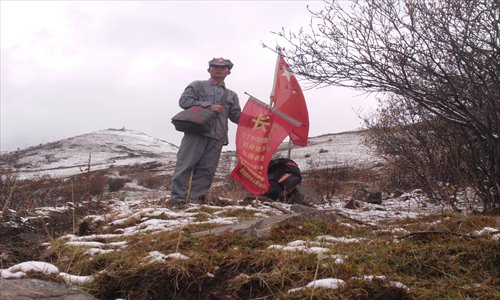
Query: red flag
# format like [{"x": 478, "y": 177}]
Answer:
[
  {"x": 287, "y": 96},
  {"x": 261, "y": 129}
]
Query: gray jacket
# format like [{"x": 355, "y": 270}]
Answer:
[{"x": 207, "y": 92}]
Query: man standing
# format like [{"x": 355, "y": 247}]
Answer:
[{"x": 199, "y": 154}]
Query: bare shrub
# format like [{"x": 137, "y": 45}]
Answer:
[
  {"x": 426, "y": 151},
  {"x": 230, "y": 189},
  {"x": 152, "y": 181},
  {"x": 24, "y": 195},
  {"x": 97, "y": 183},
  {"x": 399, "y": 176},
  {"x": 437, "y": 59},
  {"x": 341, "y": 180},
  {"x": 116, "y": 184},
  {"x": 8, "y": 184}
]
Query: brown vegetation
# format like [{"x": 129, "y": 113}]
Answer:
[
  {"x": 444, "y": 262},
  {"x": 232, "y": 266},
  {"x": 434, "y": 68}
]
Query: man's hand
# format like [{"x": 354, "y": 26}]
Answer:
[{"x": 216, "y": 107}]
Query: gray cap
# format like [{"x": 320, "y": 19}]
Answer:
[{"x": 219, "y": 61}]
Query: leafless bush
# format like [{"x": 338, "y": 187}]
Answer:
[
  {"x": 341, "y": 180},
  {"x": 426, "y": 151},
  {"x": 399, "y": 176},
  {"x": 116, "y": 184},
  {"x": 24, "y": 195},
  {"x": 152, "y": 181},
  {"x": 97, "y": 183},
  {"x": 438, "y": 59},
  {"x": 230, "y": 189},
  {"x": 8, "y": 184}
]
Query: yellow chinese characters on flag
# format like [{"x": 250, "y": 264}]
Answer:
[{"x": 261, "y": 129}]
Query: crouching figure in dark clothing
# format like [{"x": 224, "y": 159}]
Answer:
[{"x": 284, "y": 177}]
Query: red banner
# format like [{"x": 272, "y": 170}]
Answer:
[
  {"x": 287, "y": 96},
  {"x": 261, "y": 129}
]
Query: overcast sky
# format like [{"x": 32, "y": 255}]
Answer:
[{"x": 73, "y": 67}]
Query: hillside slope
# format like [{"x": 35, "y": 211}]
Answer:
[
  {"x": 101, "y": 149},
  {"x": 120, "y": 147},
  {"x": 333, "y": 150}
]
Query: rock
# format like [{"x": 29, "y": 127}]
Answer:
[
  {"x": 301, "y": 195},
  {"x": 34, "y": 289},
  {"x": 310, "y": 196},
  {"x": 397, "y": 193},
  {"x": 297, "y": 198},
  {"x": 299, "y": 208},
  {"x": 374, "y": 197},
  {"x": 247, "y": 227},
  {"x": 353, "y": 204},
  {"x": 261, "y": 227},
  {"x": 364, "y": 195}
]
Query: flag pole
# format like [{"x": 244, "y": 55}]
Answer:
[
  {"x": 292, "y": 120},
  {"x": 271, "y": 98}
]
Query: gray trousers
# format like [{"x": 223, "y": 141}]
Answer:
[{"x": 200, "y": 155}]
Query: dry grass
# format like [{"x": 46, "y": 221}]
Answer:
[
  {"x": 436, "y": 258},
  {"x": 25, "y": 195},
  {"x": 231, "y": 266},
  {"x": 342, "y": 180},
  {"x": 228, "y": 188}
]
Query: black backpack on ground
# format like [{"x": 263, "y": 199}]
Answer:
[{"x": 284, "y": 176}]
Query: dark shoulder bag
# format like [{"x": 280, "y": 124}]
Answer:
[{"x": 195, "y": 119}]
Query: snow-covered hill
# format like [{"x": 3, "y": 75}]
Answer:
[
  {"x": 101, "y": 149},
  {"x": 333, "y": 150},
  {"x": 119, "y": 147}
]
